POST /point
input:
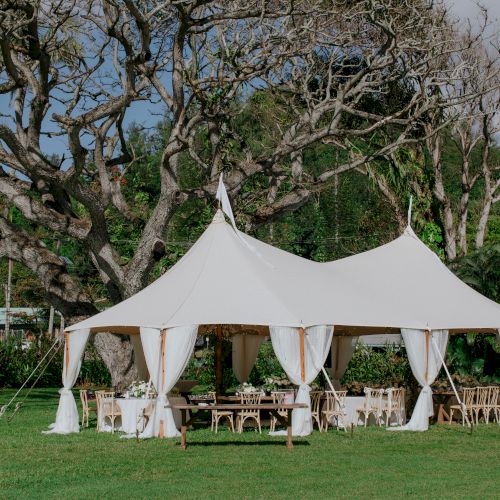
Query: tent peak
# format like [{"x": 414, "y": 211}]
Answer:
[{"x": 218, "y": 217}]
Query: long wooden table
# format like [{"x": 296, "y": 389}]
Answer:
[
  {"x": 272, "y": 408},
  {"x": 443, "y": 399}
]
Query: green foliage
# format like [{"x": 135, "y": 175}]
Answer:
[
  {"x": 375, "y": 367},
  {"x": 481, "y": 270},
  {"x": 19, "y": 358},
  {"x": 432, "y": 236}
]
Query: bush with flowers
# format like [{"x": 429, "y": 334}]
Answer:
[{"x": 275, "y": 383}]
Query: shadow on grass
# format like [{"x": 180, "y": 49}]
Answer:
[{"x": 243, "y": 443}]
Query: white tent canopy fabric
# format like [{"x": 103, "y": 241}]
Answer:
[
  {"x": 220, "y": 280},
  {"x": 411, "y": 288}
]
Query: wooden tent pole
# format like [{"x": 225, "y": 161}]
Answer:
[
  {"x": 427, "y": 334},
  {"x": 66, "y": 351},
  {"x": 163, "y": 338},
  {"x": 218, "y": 361},
  {"x": 302, "y": 363}
]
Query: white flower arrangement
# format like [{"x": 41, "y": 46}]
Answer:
[
  {"x": 247, "y": 388},
  {"x": 138, "y": 389}
]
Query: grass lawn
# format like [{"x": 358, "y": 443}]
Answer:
[{"x": 445, "y": 462}]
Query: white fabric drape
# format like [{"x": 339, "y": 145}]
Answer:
[
  {"x": 341, "y": 353},
  {"x": 245, "y": 349},
  {"x": 67, "y": 419},
  {"x": 286, "y": 345},
  {"x": 140, "y": 360},
  {"x": 178, "y": 344},
  {"x": 425, "y": 365}
]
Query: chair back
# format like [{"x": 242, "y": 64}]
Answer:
[
  {"x": 316, "y": 401},
  {"x": 106, "y": 403},
  {"x": 373, "y": 399},
  {"x": 482, "y": 396},
  {"x": 332, "y": 404},
  {"x": 250, "y": 398},
  {"x": 493, "y": 395},
  {"x": 469, "y": 394},
  {"x": 84, "y": 398},
  {"x": 395, "y": 398},
  {"x": 279, "y": 397}
]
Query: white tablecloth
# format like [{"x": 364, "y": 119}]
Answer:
[{"x": 132, "y": 413}]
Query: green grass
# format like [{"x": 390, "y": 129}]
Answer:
[{"x": 445, "y": 462}]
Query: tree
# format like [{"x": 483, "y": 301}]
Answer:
[
  {"x": 472, "y": 127},
  {"x": 76, "y": 71}
]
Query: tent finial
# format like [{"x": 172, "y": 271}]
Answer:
[{"x": 409, "y": 210}]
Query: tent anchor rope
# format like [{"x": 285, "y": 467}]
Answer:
[
  {"x": 464, "y": 409},
  {"x": 20, "y": 403},
  {"x": 3, "y": 409}
]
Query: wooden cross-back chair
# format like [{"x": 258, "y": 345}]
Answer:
[
  {"x": 372, "y": 405},
  {"x": 279, "y": 398},
  {"x": 316, "y": 407},
  {"x": 468, "y": 399},
  {"x": 334, "y": 409},
  {"x": 250, "y": 398},
  {"x": 86, "y": 407},
  {"x": 107, "y": 408},
  {"x": 395, "y": 404},
  {"x": 218, "y": 414}
]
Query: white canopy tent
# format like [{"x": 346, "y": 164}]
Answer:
[
  {"x": 229, "y": 278},
  {"x": 414, "y": 291}
]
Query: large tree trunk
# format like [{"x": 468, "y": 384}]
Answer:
[{"x": 117, "y": 353}]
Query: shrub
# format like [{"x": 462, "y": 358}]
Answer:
[
  {"x": 18, "y": 360},
  {"x": 377, "y": 367}
]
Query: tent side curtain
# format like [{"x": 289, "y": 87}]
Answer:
[
  {"x": 288, "y": 344},
  {"x": 67, "y": 419},
  {"x": 341, "y": 353},
  {"x": 167, "y": 354},
  {"x": 425, "y": 364},
  {"x": 245, "y": 348}
]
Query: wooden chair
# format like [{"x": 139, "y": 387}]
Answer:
[
  {"x": 494, "y": 403},
  {"x": 316, "y": 407},
  {"x": 480, "y": 403},
  {"x": 279, "y": 398},
  {"x": 372, "y": 405},
  {"x": 251, "y": 398},
  {"x": 218, "y": 414},
  {"x": 395, "y": 405},
  {"x": 86, "y": 407},
  {"x": 107, "y": 408},
  {"x": 468, "y": 401},
  {"x": 334, "y": 408}
]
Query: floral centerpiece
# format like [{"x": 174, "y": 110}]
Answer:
[
  {"x": 247, "y": 388},
  {"x": 137, "y": 389},
  {"x": 274, "y": 383}
]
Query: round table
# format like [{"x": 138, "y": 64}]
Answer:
[{"x": 132, "y": 409}]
